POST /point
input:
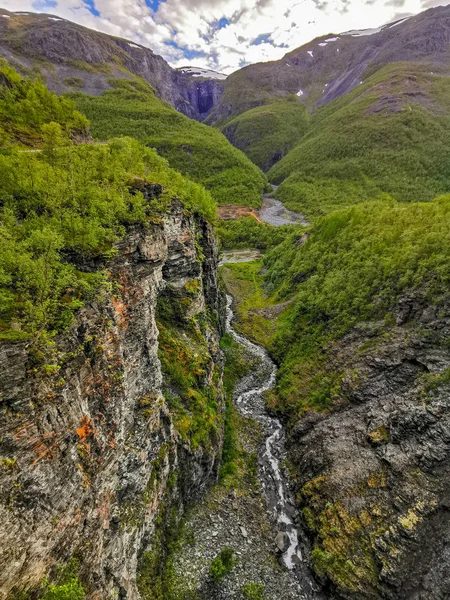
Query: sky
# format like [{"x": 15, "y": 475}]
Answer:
[{"x": 224, "y": 35}]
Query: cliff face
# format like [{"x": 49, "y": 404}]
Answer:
[
  {"x": 91, "y": 451},
  {"x": 373, "y": 472}
]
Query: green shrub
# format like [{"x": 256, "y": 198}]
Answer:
[
  {"x": 66, "y": 585},
  {"x": 222, "y": 564},
  {"x": 26, "y": 105},
  {"x": 249, "y": 233},
  {"x": 75, "y": 82},
  {"x": 253, "y": 591}
]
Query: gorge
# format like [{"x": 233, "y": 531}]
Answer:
[{"x": 224, "y": 318}]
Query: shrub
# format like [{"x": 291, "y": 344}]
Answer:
[
  {"x": 253, "y": 591},
  {"x": 222, "y": 564}
]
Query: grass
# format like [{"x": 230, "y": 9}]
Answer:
[
  {"x": 245, "y": 282},
  {"x": 132, "y": 109}
]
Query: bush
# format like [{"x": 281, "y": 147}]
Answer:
[
  {"x": 222, "y": 564},
  {"x": 253, "y": 591},
  {"x": 26, "y": 105}
]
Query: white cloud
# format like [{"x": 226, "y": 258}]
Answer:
[{"x": 187, "y": 32}]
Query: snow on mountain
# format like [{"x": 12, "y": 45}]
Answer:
[{"x": 199, "y": 72}]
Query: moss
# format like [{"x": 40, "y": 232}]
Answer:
[
  {"x": 74, "y": 82},
  {"x": 81, "y": 65},
  {"x": 339, "y": 569},
  {"x": 222, "y": 564},
  {"x": 192, "y": 379},
  {"x": 253, "y": 591},
  {"x": 8, "y": 464},
  {"x": 379, "y": 435},
  {"x": 13, "y": 335}
]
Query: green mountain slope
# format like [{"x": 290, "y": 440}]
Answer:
[
  {"x": 266, "y": 133},
  {"x": 388, "y": 136},
  {"x": 27, "y": 105},
  {"x": 132, "y": 109}
]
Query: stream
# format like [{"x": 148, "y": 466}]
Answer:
[{"x": 249, "y": 398}]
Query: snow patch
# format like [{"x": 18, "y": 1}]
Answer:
[
  {"x": 198, "y": 72},
  {"x": 288, "y": 64},
  {"x": 398, "y": 23},
  {"x": 337, "y": 50},
  {"x": 310, "y": 53},
  {"x": 322, "y": 44},
  {"x": 22, "y": 13},
  {"x": 134, "y": 46},
  {"x": 362, "y": 32},
  {"x": 54, "y": 19},
  {"x": 300, "y": 93},
  {"x": 6, "y": 16},
  {"x": 332, "y": 39}
]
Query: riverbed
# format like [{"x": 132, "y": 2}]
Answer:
[{"x": 275, "y": 213}]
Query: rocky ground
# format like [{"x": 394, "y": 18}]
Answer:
[
  {"x": 242, "y": 513},
  {"x": 233, "y": 515}
]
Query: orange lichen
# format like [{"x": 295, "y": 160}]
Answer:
[{"x": 86, "y": 429}]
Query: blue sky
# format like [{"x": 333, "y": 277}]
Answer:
[{"x": 224, "y": 34}]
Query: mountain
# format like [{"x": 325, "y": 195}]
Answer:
[
  {"x": 126, "y": 89},
  {"x": 334, "y": 64},
  {"x": 334, "y": 77},
  {"x": 63, "y": 51}
]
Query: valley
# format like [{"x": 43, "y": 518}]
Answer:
[{"x": 224, "y": 318}]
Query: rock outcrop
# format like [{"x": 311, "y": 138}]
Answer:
[
  {"x": 373, "y": 472},
  {"x": 92, "y": 455}
]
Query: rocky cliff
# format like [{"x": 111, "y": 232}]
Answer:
[
  {"x": 373, "y": 471},
  {"x": 99, "y": 443}
]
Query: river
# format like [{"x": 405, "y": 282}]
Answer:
[{"x": 250, "y": 400}]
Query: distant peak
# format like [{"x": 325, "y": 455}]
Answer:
[{"x": 199, "y": 72}]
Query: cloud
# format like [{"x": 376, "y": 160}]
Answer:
[
  {"x": 396, "y": 3},
  {"x": 223, "y": 34}
]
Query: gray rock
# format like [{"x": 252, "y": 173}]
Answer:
[{"x": 282, "y": 541}]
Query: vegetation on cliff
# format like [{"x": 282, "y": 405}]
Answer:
[
  {"x": 67, "y": 205},
  {"x": 26, "y": 105},
  {"x": 205, "y": 155},
  {"x": 353, "y": 267}
]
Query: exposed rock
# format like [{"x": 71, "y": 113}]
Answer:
[
  {"x": 282, "y": 541},
  {"x": 373, "y": 472},
  {"x": 90, "y": 454},
  {"x": 72, "y": 51}
]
